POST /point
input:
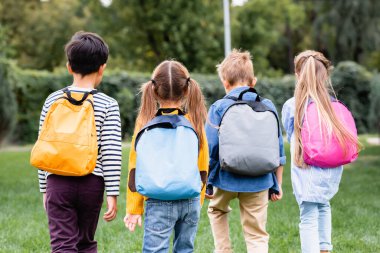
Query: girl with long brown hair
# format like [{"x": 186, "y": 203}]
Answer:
[
  {"x": 313, "y": 186},
  {"x": 170, "y": 91}
]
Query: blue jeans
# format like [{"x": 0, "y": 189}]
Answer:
[
  {"x": 315, "y": 227},
  {"x": 162, "y": 217}
]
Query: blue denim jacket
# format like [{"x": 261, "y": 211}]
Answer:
[{"x": 226, "y": 180}]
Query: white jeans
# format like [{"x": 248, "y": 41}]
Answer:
[{"x": 315, "y": 227}]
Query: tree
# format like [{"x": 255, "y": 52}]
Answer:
[
  {"x": 38, "y": 30},
  {"x": 143, "y": 33},
  {"x": 265, "y": 27},
  {"x": 346, "y": 29}
]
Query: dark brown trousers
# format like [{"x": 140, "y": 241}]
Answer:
[{"x": 73, "y": 205}]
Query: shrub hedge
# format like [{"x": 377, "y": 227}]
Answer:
[
  {"x": 8, "y": 106},
  {"x": 374, "y": 108},
  {"x": 29, "y": 89}
]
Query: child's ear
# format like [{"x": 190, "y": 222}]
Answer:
[
  {"x": 69, "y": 69},
  {"x": 101, "y": 69},
  {"x": 226, "y": 84},
  {"x": 254, "y": 81}
]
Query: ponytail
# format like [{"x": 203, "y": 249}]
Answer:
[
  {"x": 148, "y": 105},
  {"x": 306, "y": 77},
  {"x": 195, "y": 106}
]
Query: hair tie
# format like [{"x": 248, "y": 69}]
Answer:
[
  {"x": 188, "y": 80},
  {"x": 327, "y": 65},
  {"x": 153, "y": 81}
]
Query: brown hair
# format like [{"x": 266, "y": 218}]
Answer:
[
  {"x": 171, "y": 82},
  {"x": 313, "y": 82},
  {"x": 236, "y": 67}
]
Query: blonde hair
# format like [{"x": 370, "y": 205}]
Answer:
[
  {"x": 171, "y": 82},
  {"x": 236, "y": 67},
  {"x": 313, "y": 82}
]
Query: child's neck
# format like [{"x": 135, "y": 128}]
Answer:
[
  {"x": 170, "y": 104},
  {"x": 230, "y": 88},
  {"x": 87, "y": 81}
]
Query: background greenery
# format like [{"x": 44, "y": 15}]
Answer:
[
  {"x": 26, "y": 90},
  {"x": 355, "y": 212},
  {"x": 142, "y": 33}
]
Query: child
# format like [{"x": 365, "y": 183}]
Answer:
[
  {"x": 73, "y": 203},
  {"x": 174, "y": 91},
  {"x": 253, "y": 192},
  {"x": 313, "y": 186}
]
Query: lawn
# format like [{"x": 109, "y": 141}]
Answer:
[{"x": 356, "y": 212}]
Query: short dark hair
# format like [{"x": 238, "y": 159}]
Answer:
[{"x": 86, "y": 52}]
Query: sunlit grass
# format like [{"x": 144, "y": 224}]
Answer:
[{"x": 356, "y": 216}]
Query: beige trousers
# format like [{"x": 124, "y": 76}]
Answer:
[{"x": 253, "y": 216}]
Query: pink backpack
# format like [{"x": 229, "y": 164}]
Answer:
[{"x": 327, "y": 153}]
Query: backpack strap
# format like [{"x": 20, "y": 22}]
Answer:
[
  {"x": 165, "y": 121},
  {"x": 257, "y": 106},
  {"x": 78, "y": 102},
  {"x": 240, "y": 97},
  {"x": 252, "y": 90}
]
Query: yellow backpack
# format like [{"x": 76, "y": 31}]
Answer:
[{"x": 67, "y": 144}]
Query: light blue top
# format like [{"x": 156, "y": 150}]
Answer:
[
  {"x": 311, "y": 184},
  {"x": 226, "y": 180}
]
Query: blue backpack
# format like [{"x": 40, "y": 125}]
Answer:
[{"x": 167, "y": 158}]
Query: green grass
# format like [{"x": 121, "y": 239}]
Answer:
[{"x": 356, "y": 212}]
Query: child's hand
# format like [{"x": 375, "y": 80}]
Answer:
[
  {"x": 111, "y": 208},
  {"x": 209, "y": 192},
  {"x": 44, "y": 200},
  {"x": 275, "y": 197},
  {"x": 209, "y": 196},
  {"x": 131, "y": 220}
]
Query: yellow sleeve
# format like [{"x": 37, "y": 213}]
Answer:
[
  {"x": 203, "y": 161},
  {"x": 135, "y": 201}
]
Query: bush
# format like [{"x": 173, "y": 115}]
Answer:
[
  {"x": 352, "y": 85},
  {"x": 374, "y": 112},
  {"x": 8, "y": 105},
  {"x": 30, "y": 88}
]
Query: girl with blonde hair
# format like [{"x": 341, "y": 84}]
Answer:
[{"x": 314, "y": 186}]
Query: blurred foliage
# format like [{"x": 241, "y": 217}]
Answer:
[
  {"x": 265, "y": 28},
  {"x": 374, "y": 108},
  {"x": 31, "y": 88},
  {"x": 37, "y": 31},
  {"x": 354, "y": 85},
  {"x": 346, "y": 29},
  {"x": 142, "y": 33},
  {"x": 8, "y": 106},
  {"x": 148, "y": 32}
]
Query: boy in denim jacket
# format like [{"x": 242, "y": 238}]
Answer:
[{"x": 236, "y": 74}]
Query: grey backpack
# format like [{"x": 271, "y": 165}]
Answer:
[{"x": 249, "y": 137}]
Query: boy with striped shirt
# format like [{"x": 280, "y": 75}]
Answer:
[{"x": 73, "y": 203}]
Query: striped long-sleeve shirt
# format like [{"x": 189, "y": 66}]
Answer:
[{"x": 108, "y": 128}]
